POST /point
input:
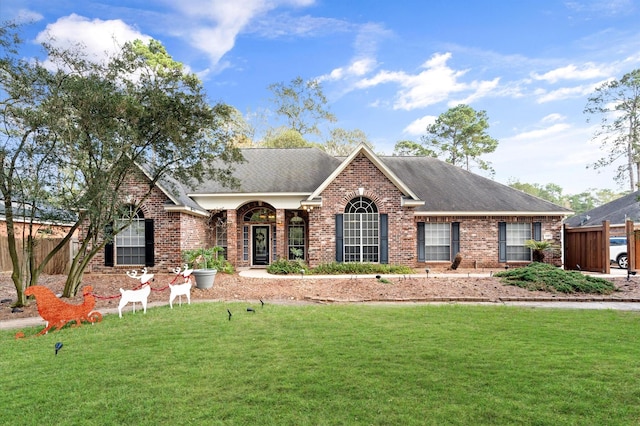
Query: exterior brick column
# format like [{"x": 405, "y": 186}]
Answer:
[
  {"x": 281, "y": 234},
  {"x": 232, "y": 237}
]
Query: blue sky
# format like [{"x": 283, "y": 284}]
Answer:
[{"x": 389, "y": 68}]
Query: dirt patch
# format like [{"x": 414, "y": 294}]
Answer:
[{"x": 461, "y": 286}]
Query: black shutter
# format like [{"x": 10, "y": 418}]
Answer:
[
  {"x": 455, "y": 239},
  {"x": 384, "y": 238},
  {"x": 149, "y": 252},
  {"x": 108, "y": 247},
  {"x": 502, "y": 241},
  {"x": 339, "y": 239},
  {"x": 421, "y": 256},
  {"x": 537, "y": 231}
]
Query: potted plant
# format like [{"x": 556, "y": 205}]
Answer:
[
  {"x": 539, "y": 247},
  {"x": 203, "y": 262}
]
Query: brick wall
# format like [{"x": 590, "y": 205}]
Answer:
[
  {"x": 479, "y": 238},
  {"x": 173, "y": 231},
  {"x": 361, "y": 173}
]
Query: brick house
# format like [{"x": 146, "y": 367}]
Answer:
[{"x": 303, "y": 203}]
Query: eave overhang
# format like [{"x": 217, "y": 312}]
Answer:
[
  {"x": 491, "y": 213},
  {"x": 186, "y": 210},
  {"x": 364, "y": 149}
]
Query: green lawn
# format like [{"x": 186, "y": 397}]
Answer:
[{"x": 329, "y": 365}]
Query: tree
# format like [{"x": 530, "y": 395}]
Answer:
[
  {"x": 459, "y": 135},
  {"x": 579, "y": 203},
  {"x": 28, "y": 175},
  {"x": 412, "y": 148},
  {"x": 342, "y": 141},
  {"x": 89, "y": 126},
  {"x": 302, "y": 104},
  {"x": 241, "y": 130},
  {"x": 618, "y": 103},
  {"x": 550, "y": 192},
  {"x": 283, "y": 137}
]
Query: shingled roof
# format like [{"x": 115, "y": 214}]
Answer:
[
  {"x": 616, "y": 212},
  {"x": 443, "y": 188},
  {"x": 276, "y": 170}
]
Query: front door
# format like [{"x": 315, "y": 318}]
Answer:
[{"x": 260, "y": 239}]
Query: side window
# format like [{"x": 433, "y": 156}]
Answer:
[
  {"x": 517, "y": 234},
  {"x": 130, "y": 242},
  {"x": 296, "y": 232},
  {"x": 221, "y": 233},
  {"x": 437, "y": 239}
]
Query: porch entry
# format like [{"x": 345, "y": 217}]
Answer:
[{"x": 260, "y": 243}]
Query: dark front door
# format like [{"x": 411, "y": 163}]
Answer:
[{"x": 260, "y": 245}]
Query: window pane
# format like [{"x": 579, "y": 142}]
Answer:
[
  {"x": 361, "y": 231},
  {"x": 437, "y": 237},
  {"x": 130, "y": 243},
  {"x": 517, "y": 234}
]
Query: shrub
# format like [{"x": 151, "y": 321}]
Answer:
[
  {"x": 545, "y": 277},
  {"x": 211, "y": 258},
  {"x": 456, "y": 261},
  {"x": 336, "y": 268},
  {"x": 539, "y": 247},
  {"x": 286, "y": 267}
]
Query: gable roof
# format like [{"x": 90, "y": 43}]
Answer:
[
  {"x": 276, "y": 170},
  {"x": 429, "y": 184},
  {"x": 367, "y": 152},
  {"x": 616, "y": 212},
  {"x": 176, "y": 192},
  {"x": 448, "y": 189}
]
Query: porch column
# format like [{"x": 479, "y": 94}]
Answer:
[
  {"x": 280, "y": 234},
  {"x": 232, "y": 237}
]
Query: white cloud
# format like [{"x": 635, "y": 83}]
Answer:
[
  {"x": 601, "y": 7},
  {"x": 587, "y": 71},
  {"x": 357, "y": 68},
  {"x": 215, "y": 24},
  {"x": 541, "y": 133},
  {"x": 419, "y": 126},
  {"x": 552, "y": 118},
  {"x": 27, "y": 16},
  {"x": 566, "y": 92},
  {"x": 435, "y": 84},
  {"x": 364, "y": 60},
  {"x": 99, "y": 38},
  {"x": 558, "y": 154},
  {"x": 480, "y": 90}
]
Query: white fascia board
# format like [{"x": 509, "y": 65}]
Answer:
[
  {"x": 491, "y": 213},
  {"x": 376, "y": 162},
  {"x": 234, "y": 201},
  {"x": 186, "y": 210},
  {"x": 404, "y": 202}
]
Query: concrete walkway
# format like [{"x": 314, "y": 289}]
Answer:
[{"x": 262, "y": 273}]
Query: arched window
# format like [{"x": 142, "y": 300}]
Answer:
[
  {"x": 130, "y": 242},
  {"x": 260, "y": 214},
  {"x": 296, "y": 233},
  {"x": 361, "y": 231}
]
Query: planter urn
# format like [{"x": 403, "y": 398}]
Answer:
[{"x": 204, "y": 278}]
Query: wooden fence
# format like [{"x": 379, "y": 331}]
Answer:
[
  {"x": 58, "y": 265},
  {"x": 586, "y": 248}
]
